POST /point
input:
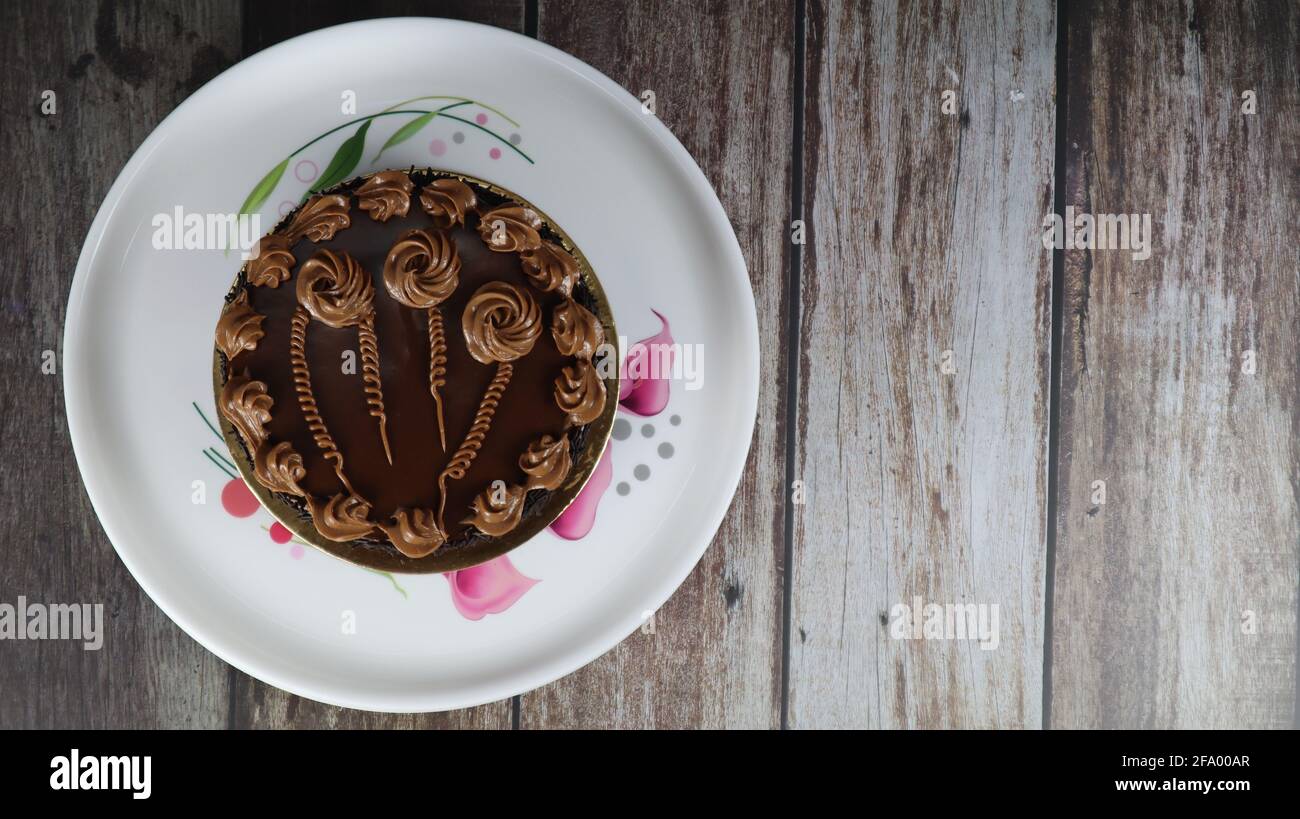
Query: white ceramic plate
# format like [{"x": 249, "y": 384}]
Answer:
[{"x": 138, "y": 350}]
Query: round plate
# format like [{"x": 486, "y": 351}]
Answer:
[{"x": 137, "y": 362}]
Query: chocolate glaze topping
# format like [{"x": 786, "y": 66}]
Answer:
[{"x": 427, "y": 371}]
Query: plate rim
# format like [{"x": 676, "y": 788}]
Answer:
[{"x": 80, "y": 427}]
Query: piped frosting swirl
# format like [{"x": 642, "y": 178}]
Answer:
[
  {"x": 549, "y": 268},
  {"x": 580, "y": 392},
  {"x": 385, "y": 195},
  {"x": 422, "y": 268},
  {"x": 279, "y": 468},
  {"x": 240, "y": 327},
  {"x": 334, "y": 289},
  {"x": 576, "y": 329},
  {"x": 511, "y": 229},
  {"x": 245, "y": 404},
  {"x": 447, "y": 201},
  {"x": 341, "y": 517},
  {"x": 414, "y": 532},
  {"x": 497, "y": 509},
  {"x": 546, "y": 462},
  {"x": 273, "y": 263},
  {"x": 501, "y": 323},
  {"x": 320, "y": 219}
]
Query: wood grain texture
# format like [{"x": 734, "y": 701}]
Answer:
[
  {"x": 266, "y": 24},
  {"x": 722, "y": 83},
  {"x": 923, "y": 236},
  {"x": 924, "y": 239},
  {"x": 255, "y": 704},
  {"x": 116, "y": 70},
  {"x": 1200, "y": 458}
]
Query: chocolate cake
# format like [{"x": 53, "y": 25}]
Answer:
[{"x": 412, "y": 363}]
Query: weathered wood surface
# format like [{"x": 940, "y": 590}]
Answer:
[
  {"x": 722, "y": 84},
  {"x": 116, "y": 73},
  {"x": 265, "y": 24},
  {"x": 923, "y": 480},
  {"x": 1200, "y": 458},
  {"x": 923, "y": 236}
]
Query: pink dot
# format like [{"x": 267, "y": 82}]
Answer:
[
  {"x": 280, "y": 534},
  {"x": 481, "y": 119},
  {"x": 286, "y": 206},
  {"x": 437, "y": 147},
  {"x": 306, "y": 170},
  {"x": 495, "y": 153},
  {"x": 238, "y": 500},
  {"x": 296, "y": 552}
]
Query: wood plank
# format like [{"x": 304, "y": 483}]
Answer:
[
  {"x": 1199, "y": 457},
  {"x": 255, "y": 704},
  {"x": 116, "y": 73},
  {"x": 924, "y": 238},
  {"x": 267, "y": 24},
  {"x": 722, "y": 83}
]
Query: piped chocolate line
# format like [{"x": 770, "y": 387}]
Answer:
[
  {"x": 374, "y": 387},
  {"x": 459, "y": 463},
  {"x": 307, "y": 399},
  {"x": 437, "y": 368}
]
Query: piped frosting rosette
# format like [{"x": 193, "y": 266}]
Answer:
[
  {"x": 334, "y": 289},
  {"x": 501, "y": 323}
]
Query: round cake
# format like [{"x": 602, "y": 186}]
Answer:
[{"x": 412, "y": 370}]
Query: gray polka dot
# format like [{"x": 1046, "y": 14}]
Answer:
[
  {"x": 458, "y": 137},
  {"x": 648, "y": 430},
  {"x": 641, "y": 472},
  {"x": 665, "y": 450},
  {"x": 622, "y": 429},
  {"x": 623, "y": 488},
  {"x": 676, "y": 420},
  {"x": 515, "y": 139}
]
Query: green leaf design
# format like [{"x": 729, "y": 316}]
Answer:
[
  {"x": 344, "y": 162},
  {"x": 262, "y": 190},
  {"x": 407, "y": 131}
]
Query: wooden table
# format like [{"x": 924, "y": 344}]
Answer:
[{"x": 1106, "y": 448}]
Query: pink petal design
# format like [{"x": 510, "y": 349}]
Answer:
[
  {"x": 643, "y": 382},
  {"x": 488, "y": 588},
  {"x": 575, "y": 522}
]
